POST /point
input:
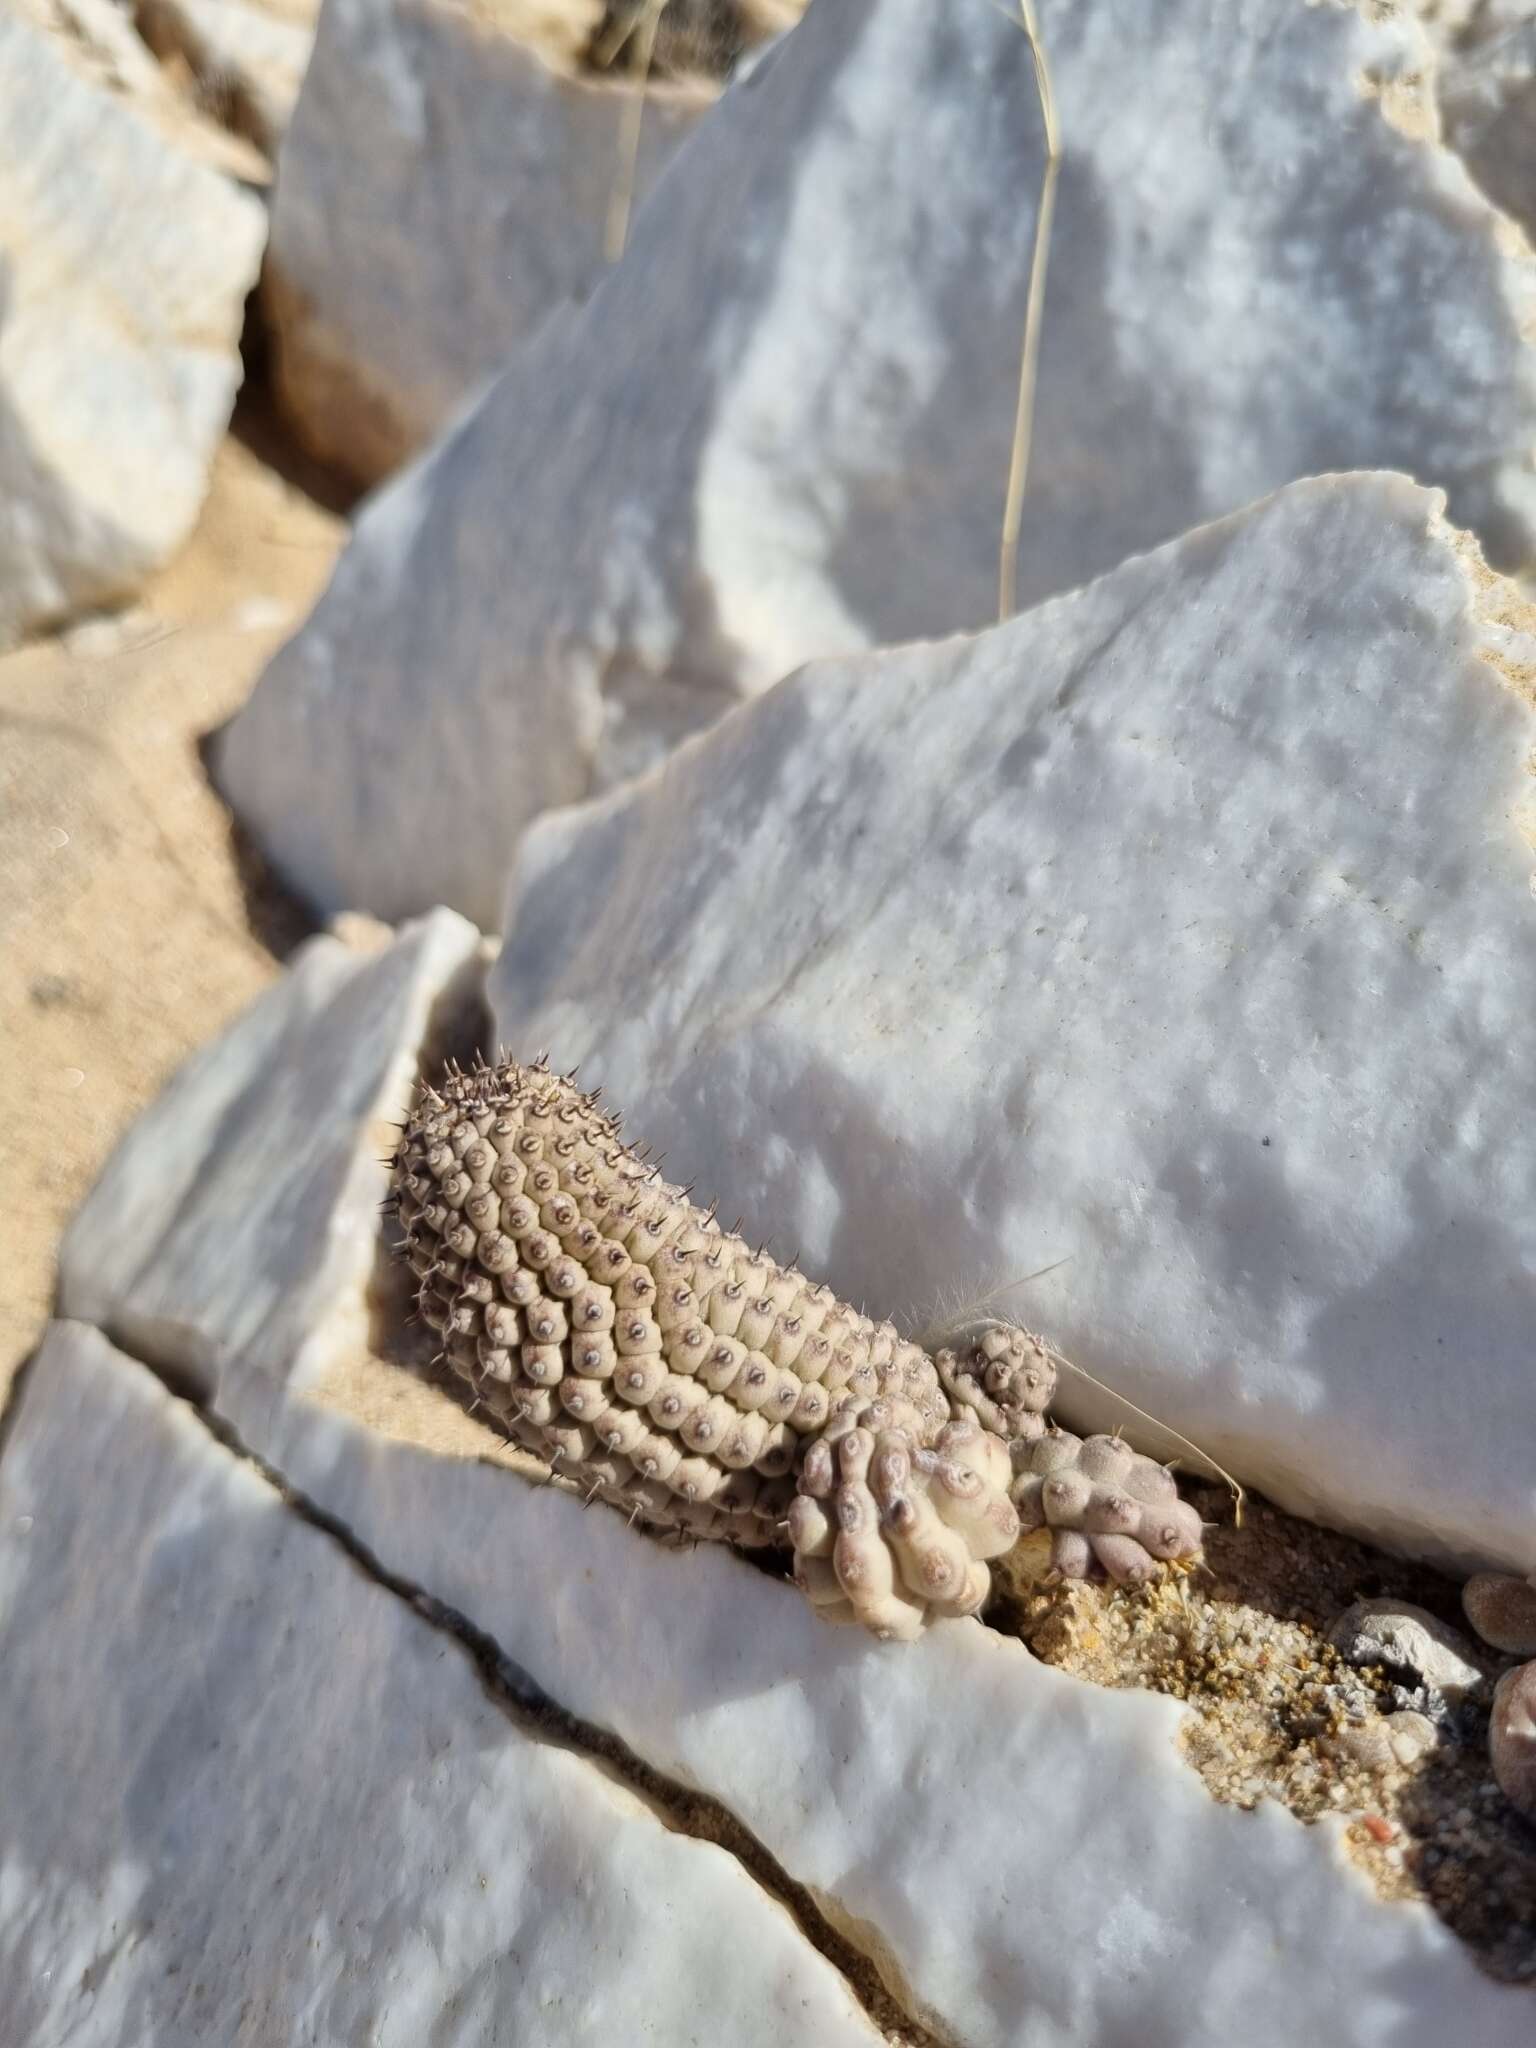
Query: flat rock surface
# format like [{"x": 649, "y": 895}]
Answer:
[
  {"x": 127, "y": 263},
  {"x": 446, "y": 181},
  {"x": 1176, "y": 938},
  {"x": 1024, "y": 1856},
  {"x": 268, "y": 1144},
  {"x": 249, "y": 1795},
  {"x": 1027, "y": 1854},
  {"x": 780, "y": 428}
]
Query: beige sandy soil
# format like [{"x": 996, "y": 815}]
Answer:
[{"x": 130, "y": 927}]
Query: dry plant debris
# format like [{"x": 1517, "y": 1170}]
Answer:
[{"x": 1278, "y": 1712}]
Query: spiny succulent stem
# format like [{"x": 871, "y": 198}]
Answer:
[{"x": 615, "y": 1331}]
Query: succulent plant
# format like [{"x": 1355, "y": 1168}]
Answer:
[{"x": 618, "y": 1332}]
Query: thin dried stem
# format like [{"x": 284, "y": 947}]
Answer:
[
  {"x": 960, "y": 1319},
  {"x": 621, "y": 199},
  {"x": 1018, "y": 467},
  {"x": 948, "y": 1322},
  {"x": 1238, "y": 1494}
]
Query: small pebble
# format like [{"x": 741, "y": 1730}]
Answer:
[
  {"x": 1512, "y": 1738},
  {"x": 1502, "y": 1609},
  {"x": 1382, "y": 1741},
  {"x": 1411, "y": 1736},
  {"x": 1397, "y": 1633}
]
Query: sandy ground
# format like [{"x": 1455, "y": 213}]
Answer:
[{"x": 131, "y": 928}]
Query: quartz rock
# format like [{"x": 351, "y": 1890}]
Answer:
[
  {"x": 1395, "y": 1632},
  {"x": 253, "y": 1184},
  {"x": 780, "y": 427},
  {"x": 1173, "y": 944},
  {"x": 919, "y": 1791},
  {"x": 1400, "y": 1739},
  {"x": 445, "y": 184},
  {"x": 123, "y": 280},
  {"x": 250, "y": 1795}
]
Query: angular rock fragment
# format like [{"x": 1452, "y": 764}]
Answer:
[
  {"x": 1394, "y": 1632},
  {"x": 1503, "y": 1611},
  {"x": 242, "y": 1209},
  {"x": 1177, "y": 938},
  {"x": 249, "y": 1795},
  {"x": 444, "y": 185},
  {"x": 125, "y": 272},
  {"x": 721, "y": 1679},
  {"x": 780, "y": 427},
  {"x": 1390, "y": 1740}
]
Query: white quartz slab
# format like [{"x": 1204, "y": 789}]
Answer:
[
  {"x": 124, "y": 266},
  {"x": 445, "y": 183},
  {"x": 245, "y": 1202},
  {"x": 250, "y": 1796},
  {"x": 1026, "y": 1856},
  {"x": 1178, "y": 936},
  {"x": 780, "y": 428}
]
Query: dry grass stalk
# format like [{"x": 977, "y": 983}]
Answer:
[
  {"x": 621, "y": 200},
  {"x": 1018, "y": 468}
]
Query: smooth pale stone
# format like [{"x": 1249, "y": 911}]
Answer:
[
  {"x": 245, "y": 1202},
  {"x": 781, "y": 427},
  {"x": 444, "y": 184},
  {"x": 1503, "y": 1611},
  {"x": 1178, "y": 937},
  {"x": 125, "y": 269},
  {"x": 250, "y": 1796},
  {"x": 1025, "y": 1856},
  {"x": 1512, "y": 1737},
  {"x": 248, "y": 55}
]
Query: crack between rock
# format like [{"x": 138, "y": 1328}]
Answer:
[{"x": 866, "y": 1969}]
